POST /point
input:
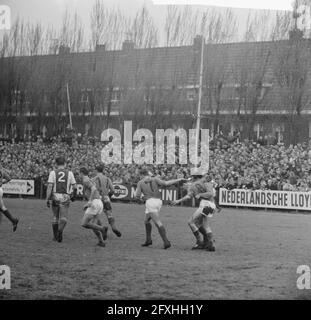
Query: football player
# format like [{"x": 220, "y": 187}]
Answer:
[
  {"x": 105, "y": 187},
  {"x": 93, "y": 209},
  {"x": 202, "y": 189},
  {"x": 149, "y": 187},
  {"x": 60, "y": 183},
  {"x": 4, "y": 178}
]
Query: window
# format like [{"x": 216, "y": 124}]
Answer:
[
  {"x": 116, "y": 96},
  {"x": 147, "y": 96},
  {"x": 45, "y": 98},
  {"x": 191, "y": 95},
  {"x": 26, "y": 97},
  {"x": 85, "y": 95},
  {"x": 264, "y": 90},
  {"x": 278, "y": 127},
  {"x": 99, "y": 97},
  {"x": 240, "y": 92},
  {"x": 181, "y": 94},
  {"x": 230, "y": 94},
  {"x": 258, "y": 129},
  {"x": 16, "y": 97}
]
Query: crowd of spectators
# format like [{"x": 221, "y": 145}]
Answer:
[{"x": 233, "y": 164}]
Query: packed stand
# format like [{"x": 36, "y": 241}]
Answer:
[{"x": 233, "y": 164}]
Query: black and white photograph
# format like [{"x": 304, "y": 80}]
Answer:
[{"x": 155, "y": 150}]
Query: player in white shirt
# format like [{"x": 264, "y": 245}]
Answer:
[{"x": 61, "y": 181}]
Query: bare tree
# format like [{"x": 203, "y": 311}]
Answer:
[
  {"x": 181, "y": 25},
  {"x": 143, "y": 31},
  {"x": 280, "y": 28},
  {"x": 108, "y": 29},
  {"x": 290, "y": 67},
  {"x": 108, "y": 26},
  {"x": 138, "y": 66},
  {"x": 218, "y": 29},
  {"x": 71, "y": 33},
  {"x": 251, "y": 72},
  {"x": 258, "y": 26},
  {"x": 70, "y": 38},
  {"x": 12, "y": 73}
]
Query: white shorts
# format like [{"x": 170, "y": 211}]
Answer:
[
  {"x": 206, "y": 203},
  {"x": 153, "y": 205},
  {"x": 95, "y": 208},
  {"x": 61, "y": 199}
]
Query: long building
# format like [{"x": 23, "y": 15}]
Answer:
[{"x": 257, "y": 88}]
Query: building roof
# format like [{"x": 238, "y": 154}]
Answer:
[{"x": 236, "y": 66}]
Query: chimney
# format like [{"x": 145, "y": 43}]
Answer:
[
  {"x": 100, "y": 48},
  {"x": 128, "y": 45},
  {"x": 63, "y": 50},
  {"x": 197, "y": 43}
]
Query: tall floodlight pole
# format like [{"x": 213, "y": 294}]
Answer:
[
  {"x": 199, "y": 103},
  {"x": 69, "y": 110}
]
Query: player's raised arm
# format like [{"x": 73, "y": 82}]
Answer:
[
  {"x": 186, "y": 197},
  {"x": 170, "y": 182}
]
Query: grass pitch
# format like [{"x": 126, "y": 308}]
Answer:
[{"x": 257, "y": 255}]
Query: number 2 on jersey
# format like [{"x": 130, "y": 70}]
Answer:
[{"x": 61, "y": 176}]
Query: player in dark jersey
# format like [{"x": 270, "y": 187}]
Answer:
[
  {"x": 105, "y": 187},
  {"x": 4, "y": 178},
  {"x": 149, "y": 187},
  {"x": 202, "y": 189},
  {"x": 93, "y": 209},
  {"x": 60, "y": 183}
]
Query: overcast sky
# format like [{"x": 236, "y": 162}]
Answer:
[
  {"x": 51, "y": 11},
  {"x": 262, "y": 4}
]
